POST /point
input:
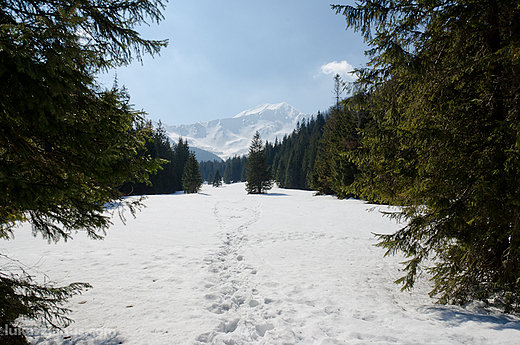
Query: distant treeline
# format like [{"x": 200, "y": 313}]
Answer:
[
  {"x": 232, "y": 170},
  {"x": 312, "y": 157},
  {"x": 291, "y": 159},
  {"x": 169, "y": 178}
]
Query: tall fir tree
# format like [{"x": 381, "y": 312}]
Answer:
[
  {"x": 217, "y": 180},
  {"x": 243, "y": 176},
  {"x": 182, "y": 153},
  {"x": 163, "y": 180},
  {"x": 191, "y": 177},
  {"x": 227, "y": 173},
  {"x": 333, "y": 171},
  {"x": 292, "y": 160},
  {"x": 210, "y": 177},
  {"x": 66, "y": 143},
  {"x": 443, "y": 90},
  {"x": 168, "y": 179},
  {"x": 258, "y": 176}
]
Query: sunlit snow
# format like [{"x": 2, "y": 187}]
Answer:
[
  {"x": 224, "y": 267},
  {"x": 232, "y": 136}
]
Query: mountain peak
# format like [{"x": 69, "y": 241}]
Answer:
[
  {"x": 231, "y": 136},
  {"x": 282, "y": 107}
]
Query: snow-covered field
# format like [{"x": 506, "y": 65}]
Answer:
[{"x": 224, "y": 267}]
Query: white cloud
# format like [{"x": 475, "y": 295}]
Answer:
[{"x": 343, "y": 68}]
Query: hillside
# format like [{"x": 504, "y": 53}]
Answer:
[{"x": 228, "y": 137}]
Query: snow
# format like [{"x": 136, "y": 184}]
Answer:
[
  {"x": 224, "y": 267},
  {"x": 269, "y": 108},
  {"x": 232, "y": 136}
]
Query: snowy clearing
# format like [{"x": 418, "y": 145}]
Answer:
[{"x": 224, "y": 267}]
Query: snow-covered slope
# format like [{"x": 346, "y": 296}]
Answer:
[
  {"x": 232, "y": 136},
  {"x": 223, "y": 267}
]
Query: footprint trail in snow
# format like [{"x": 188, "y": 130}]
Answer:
[
  {"x": 227, "y": 268},
  {"x": 231, "y": 294}
]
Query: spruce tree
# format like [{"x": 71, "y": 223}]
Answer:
[
  {"x": 227, "y": 172},
  {"x": 258, "y": 176},
  {"x": 243, "y": 176},
  {"x": 333, "y": 171},
  {"x": 210, "y": 177},
  {"x": 164, "y": 180},
  {"x": 66, "y": 143},
  {"x": 191, "y": 177},
  {"x": 292, "y": 159},
  {"x": 217, "y": 180},
  {"x": 442, "y": 89},
  {"x": 182, "y": 153},
  {"x": 236, "y": 168}
]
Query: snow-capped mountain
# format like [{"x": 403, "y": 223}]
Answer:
[{"x": 232, "y": 136}]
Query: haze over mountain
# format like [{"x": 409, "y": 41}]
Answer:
[{"x": 224, "y": 138}]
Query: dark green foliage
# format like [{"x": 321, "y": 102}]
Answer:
[
  {"x": 233, "y": 168},
  {"x": 443, "y": 143},
  {"x": 257, "y": 172},
  {"x": 334, "y": 172},
  {"x": 292, "y": 160},
  {"x": 297, "y": 151},
  {"x": 182, "y": 154},
  {"x": 227, "y": 175},
  {"x": 20, "y": 296},
  {"x": 58, "y": 171},
  {"x": 164, "y": 180},
  {"x": 191, "y": 177},
  {"x": 236, "y": 169},
  {"x": 209, "y": 168},
  {"x": 168, "y": 179},
  {"x": 66, "y": 144},
  {"x": 217, "y": 180}
]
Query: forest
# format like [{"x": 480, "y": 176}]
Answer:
[
  {"x": 291, "y": 160},
  {"x": 177, "y": 166},
  {"x": 309, "y": 158},
  {"x": 431, "y": 126}
]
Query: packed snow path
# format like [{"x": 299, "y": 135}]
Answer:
[{"x": 224, "y": 267}]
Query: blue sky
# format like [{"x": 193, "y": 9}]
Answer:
[{"x": 226, "y": 56}]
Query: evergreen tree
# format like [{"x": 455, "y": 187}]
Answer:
[
  {"x": 210, "y": 177},
  {"x": 191, "y": 177},
  {"x": 257, "y": 172},
  {"x": 233, "y": 168},
  {"x": 66, "y": 144},
  {"x": 292, "y": 160},
  {"x": 168, "y": 179},
  {"x": 299, "y": 150},
  {"x": 209, "y": 168},
  {"x": 333, "y": 171},
  {"x": 236, "y": 170},
  {"x": 217, "y": 180},
  {"x": 442, "y": 91},
  {"x": 163, "y": 180},
  {"x": 280, "y": 173},
  {"x": 339, "y": 87},
  {"x": 227, "y": 173},
  {"x": 182, "y": 153},
  {"x": 243, "y": 176}
]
